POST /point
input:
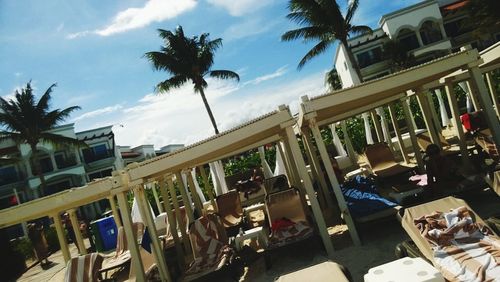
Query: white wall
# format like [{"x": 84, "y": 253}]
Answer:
[
  {"x": 410, "y": 19},
  {"x": 344, "y": 68}
]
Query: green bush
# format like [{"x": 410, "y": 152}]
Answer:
[
  {"x": 51, "y": 237},
  {"x": 23, "y": 246}
]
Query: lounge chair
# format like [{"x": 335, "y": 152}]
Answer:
[
  {"x": 485, "y": 140},
  {"x": 210, "y": 245},
  {"x": 413, "y": 217},
  {"x": 121, "y": 258},
  {"x": 276, "y": 184},
  {"x": 230, "y": 209},
  {"x": 255, "y": 193},
  {"x": 382, "y": 162},
  {"x": 424, "y": 140},
  {"x": 287, "y": 218},
  {"x": 83, "y": 268}
]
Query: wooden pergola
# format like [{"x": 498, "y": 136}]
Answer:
[{"x": 341, "y": 105}]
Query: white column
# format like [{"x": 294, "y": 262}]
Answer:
[
  {"x": 432, "y": 108},
  {"x": 61, "y": 236},
  {"x": 395, "y": 124},
  {"x": 452, "y": 99},
  {"x": 301, "y": 167},
  {"x": 76, "y": 228},
  {"x": 265, "y": 166},
  {"x": 131, "y": 237},
  {"x": 413, "y": 137},
  {"x": 422, "y": 101},
  {"x": 335, "y": 183},
  {"x": 187, "y": 204},
  {"x": 378, "y": 128},
  {"x": 350, "y": 149},
  {"x": 419, "y": 38},
  {"x": 368, "y": 130},
  {"x": 445, "y": 120},
  {"x": 53, "y": 161}
]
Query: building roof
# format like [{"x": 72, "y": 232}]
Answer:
[{"x": 406, "y": 10}]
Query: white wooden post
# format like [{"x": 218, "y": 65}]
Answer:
[
  {"x": 61, "y": 236},
  {"x": 422, "y": 101},
  {"x": 493, "y": 92},
  {"x": 413, "y": 137},
  {"x": 114, "y": 210},
  {"x": 152, "y": 186},
  {"x": 187, "y": 203},
  {"x": 178, "y": 214},
  {"x": 153, "y": 234},
  {"x": 194, "y": 194},
  {"x": 378, "y": 128},
  {"x": 131, "y": 237},
  {"x": 348, "y": 143},
  {"x": 334, "y": 182},
  {"x": 455, "y": 115},
  {"x": 395, "y": 125},
  {"x": 432, "y": 108},
  {"x": 208, "y": 188},
  {"x": 301, "y": 167},
  {"x": 78, "y": 234}
]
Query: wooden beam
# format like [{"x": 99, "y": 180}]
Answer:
[
  {"x": 61, "y": 236},
  {"x": 78, "y": 234}
]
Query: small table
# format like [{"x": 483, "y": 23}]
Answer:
[
  {"x": 405, "y": 269},
  {"x": 258, "y": 233},
  {"x": 325, "y": 271}
]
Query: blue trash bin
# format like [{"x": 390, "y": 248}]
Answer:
[{"x": 106, "y": 230}]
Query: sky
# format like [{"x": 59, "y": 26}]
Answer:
[{"x": 94, "y": 51}]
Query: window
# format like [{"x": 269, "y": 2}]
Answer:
[
  {"x": 430, "y": 32},
  {"x": 100, "y": 174},
  {"x": 457, "y": 27},
  {"x": 96, "y": 153},
  {"x": 408, "y": 39},
  {"x": 8, "y": 175},
  {"x": 369, "y": 57},
  {"x": 46, "y": 164}
]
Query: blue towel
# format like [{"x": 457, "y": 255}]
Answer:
[{"x": 146, "y": 241}]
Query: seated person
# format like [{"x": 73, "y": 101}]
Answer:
[{"x": 441, "y": 172}]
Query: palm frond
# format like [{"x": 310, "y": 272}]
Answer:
[
  {"x": 351, "y": 10},
  {"x": 60, "y": 141},
  {"x": 171, "y": 83},
  {"x": 307, "y": 33},
  {"x": 315, "y": 51},
  {"x": 361, "y": 29},
  {"x": 224, "y": 74}
]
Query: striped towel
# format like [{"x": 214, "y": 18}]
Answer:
[
  {"x": 83, "y": 268},
  {"x": 289, "y": 233},
  {"x": 463, "y": 250}
]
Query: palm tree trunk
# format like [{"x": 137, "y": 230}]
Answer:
[
  {"x": 38, "y": 171},
  {"x": 212, "y": 119},
  {"x": 353, "y": 61}
]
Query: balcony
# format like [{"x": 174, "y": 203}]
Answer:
[
  {"x": 90, "y": 156},
  {"x": 442, "y": 45},
  {"x": 71, "y": 170},
  {"x": 65, "y": 162}
]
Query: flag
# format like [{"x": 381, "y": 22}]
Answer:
[{"x": 146, "y": 241}]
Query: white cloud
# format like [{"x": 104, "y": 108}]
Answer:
[
  {"x": 132, "y": 18},
  {"x": 180, "y": 116},
  {"x": 249, "y": 27},
  {"x": 240, "y": 7},
  {"x": 98, "y": 112},
  {"x": 279, "y": 72},
  {"x": 18, "y": 74},
  {"x": 60, "y": 27}
]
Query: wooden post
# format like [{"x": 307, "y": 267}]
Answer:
[
  {"x": 187, "y": 203},
  {"x": 171, "y": 221},
  {"x": 114, "y": 210},
  {"x": 455, "y": 115},
  {"x": 153, "y": 234},
  {"x": 334, "y": 183},
  {"x": 395, "y": 125},
  {"x": 493, "y": 93},
  {"x": 152, "y": 186},
  {"x": 316, "y": 168},
  {"x": 378, "y": 128},
  {"x": 473, "y": 95},
  {"x": 413, "y": 137},
  {"x": 301, "y": 167},
  {"x": 78, "y": 234},
  {"x": 422, "y": 101},
  {"x": 348, "y": 143},
  {"x": 208, "y": 187},
  {"x": 279, "y": 146},
  {"x": 178, "y": 214},
  {"x": 483, "y": 99},
  {"x": 194, "y": 194},
  {"x": 432, "y": 108},
  {"x": 131, "y": 237},
  {"x": 295, "y": 179},
  {"x": 61, "y": 236}
]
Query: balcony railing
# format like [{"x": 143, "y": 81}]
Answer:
[{"x": 90, "y": 157}]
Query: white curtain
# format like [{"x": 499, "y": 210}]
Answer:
[
  {"x": 135, "y": 213},
  {"x": 336, "y": 141},
  {"x": 445, "y": 120},
  {"x": 218, "y": 177},
  {"x": 266, "y": 169},
  {"x": 280, "y": 164},
  {"x": 368, "y": 130},
  {"x": 197, "y": 186},
  {"x": 468, "y": 101},
  {"x": 411, "y": 114},
  {"x": 385, "y": 129}
]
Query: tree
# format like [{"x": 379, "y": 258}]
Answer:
[
  {"x": 484, "y": 15},
  {"x": 188, "y": 59},
  {"x": 397, "y": 55},
  {"x": 26, "y": 121},
  {"x": 332, "y": 80},
  {"x": 322, "y": 21}
]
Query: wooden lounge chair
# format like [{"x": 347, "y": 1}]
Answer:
[
  {"x": 421, "y": 246},
  {"x": 230, "y": 209},
  {"x": 234, "y": 183},
  {"x": 382, "y": 161},
  {"x": 83, "y": 268},
  {"x": 210, "y": 245},
  {"x": 287, "y": 206}
]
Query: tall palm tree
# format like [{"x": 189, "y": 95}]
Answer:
[
  {"x": 188, "y": 59},
  {"x": 322, "y": 21},
  {"x": 27, "y": 121},
  {"x": 332, "y": 80}
]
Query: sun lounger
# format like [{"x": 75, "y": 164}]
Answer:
[
  {"x": 120, "y": 260},
  {"x": 440, "y": 257},
  {"x": 382, "y": 162},
  {"x": 230, "y": 209},
  {"x": 83, "y": 268},
  {"x": 210, "y": 246},
  {"x": 287, "y": 218},
  {"x": 241, "y": 182},
  {"x": 484, "y": 139}
]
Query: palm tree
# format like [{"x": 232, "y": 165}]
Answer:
[
  {"x": 188, "y": 59},
  {"x": 332, "y": 80},
  {"x": 322, "y": 21},
  {"x": 26, "y": 121},
  {"x": 398, "y": 56}
]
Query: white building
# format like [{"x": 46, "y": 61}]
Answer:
[{"x": 426, "y": 30}]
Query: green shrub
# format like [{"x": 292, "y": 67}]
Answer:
[
  {"x": 23, "y": 246},
  {"x": 52, "y": 241}
]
